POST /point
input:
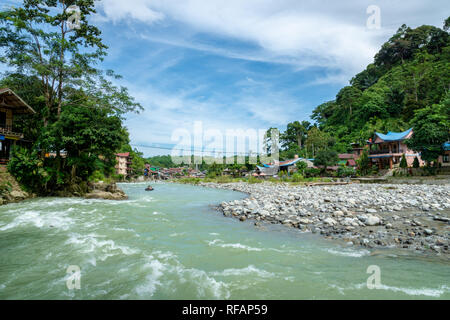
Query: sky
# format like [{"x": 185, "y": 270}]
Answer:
[{"x": 242, "y": 64}]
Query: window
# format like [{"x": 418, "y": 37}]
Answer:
[
  {"x": 2, "y": 119},
  {"x": 446, "y": 158}
]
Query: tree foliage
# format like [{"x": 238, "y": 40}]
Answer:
[
  {"x": 404, "y": 87},
  {"x": 79, "y": 108},
  {"x": 326, "y": 158},
  {"x": 431, "y": 130}
]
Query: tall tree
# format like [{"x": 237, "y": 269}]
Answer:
[
  {"x": 295, "y": 134},
  {"x": 318, "y": 140},
  {"x": 326, "y": 158},
  {"x": 79, "y": 108},
  {"x": 431, "y": 130},
  {"x": 37, "y": 41}
]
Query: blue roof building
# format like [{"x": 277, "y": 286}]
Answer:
[{"x": 386, "y": 150}]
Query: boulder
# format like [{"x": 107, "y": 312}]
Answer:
[
  {"x": 330, "y": 221},
  {"x": 372, "y": 221},
  {"x": 18, "y": 195},
  {"x": 97, "y": 194}
]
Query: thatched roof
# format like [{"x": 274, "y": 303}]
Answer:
[{"x": 9, "y": 99}]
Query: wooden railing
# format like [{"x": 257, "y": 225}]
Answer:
[
  {"x": 6, "y": 129},
  {"x": 385, "y": 151}
]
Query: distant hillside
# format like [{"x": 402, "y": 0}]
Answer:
[{"x": 409, "y": 73}]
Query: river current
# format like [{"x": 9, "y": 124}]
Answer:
[{"x": 171, "y": 244}]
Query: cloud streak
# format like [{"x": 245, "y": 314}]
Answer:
[
  {"x": 302, "y": 33},
  {"x": 236, "y": 64}
]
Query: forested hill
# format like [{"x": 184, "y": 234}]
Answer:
[{"x": 410, "y": 73}]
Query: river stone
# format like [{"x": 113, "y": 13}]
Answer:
[
  {"x": 18, "y": 194},
  {"x": 372, "y": 221},
  {"x": 330, "y": 221}
]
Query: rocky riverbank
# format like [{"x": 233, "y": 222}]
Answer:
[
  {"x": 106, "y": 191},
  {"x": 10, "y": 190},
  {"x": 414, "y": 217}
]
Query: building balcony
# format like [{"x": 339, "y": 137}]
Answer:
[
  {"x": 8, "y": 130},
  {"x": 386, "y": 151}
]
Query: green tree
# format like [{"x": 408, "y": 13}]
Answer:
[
  {"x": 431, "y": 131},
  {"x": 85, "y": 134},
  {"x": 364, "y": 163},
  {"x": 36, "y": 39},
  {"x": 79, "y": 109},
  {"x": 318, "y": 140},
  {"x": 348, "y": 99},
  {"x": 28, "y": 169},
  {"x": 301, "y": 166},
  {"x": 403, "y": 163},
  {"x": 295, "y": 134},
  {"x": 326, "y": 158}
]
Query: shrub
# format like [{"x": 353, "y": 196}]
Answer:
[
  {"x": 297, "y": 177},
  {"x": 253, "y": 180},
  {"x": 326, "y": 159},
  {"x": 28, "y": 170},
  {"x": 301, "y": 166},
  {"x": 364, "y": 163},
  {"x": 346, "y": 172},
  {"x": 416, "y": 163},
  {"x": 224, "y": 179},
  {"x": 403, "y": 163},
  {"x": 312, "y": 172},
  {"x": 97, "y": 176},
  {"x": 5, "y": 188},
  {"x": 211, "y": 174}
]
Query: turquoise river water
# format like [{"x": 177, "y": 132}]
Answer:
[{"x": 171, "y": 244}]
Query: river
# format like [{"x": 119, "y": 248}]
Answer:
[{"x": 171, "y": 244}]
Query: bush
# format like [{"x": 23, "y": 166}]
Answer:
[
  {"x": 297, "y": 177},
  {"x": 301, "y": 166},
  {"x": 211, "y": 175},
  {"x": 224, "y": 179},
  {"x": 403, "y": 162},
  {"x": 189, "y": 180},
  {"x": 28, "y": 170},
  {"x": 253, "y": 180},
  {"x": 364, "y": 163},
  {"x": 97, "y": 176},
  {"x": 5, "y": 188},
  {"x": 416, "y": 163},
  {"x": 346, "y": 172},
  {"x": 326, "y": 158},
  {"x": 312, "y": 172}
]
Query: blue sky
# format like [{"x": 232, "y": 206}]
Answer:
[{"x": 239, "y": 64}]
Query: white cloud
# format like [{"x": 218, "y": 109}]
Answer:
[
  {"x": 166, "y": 112},
  {"x": 118, "y": 10},
  {"x": 330, "y": 34}
]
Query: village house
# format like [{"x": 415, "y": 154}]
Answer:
[
  {"x": 348, "y": 159},
  {"x": 286, "y": 166},
  {"x": 10, "y": 106},
  {"x": 123, "y": 164},
  {"x": 386, "y": 150},
  {"x": 445, "y": 159}
]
